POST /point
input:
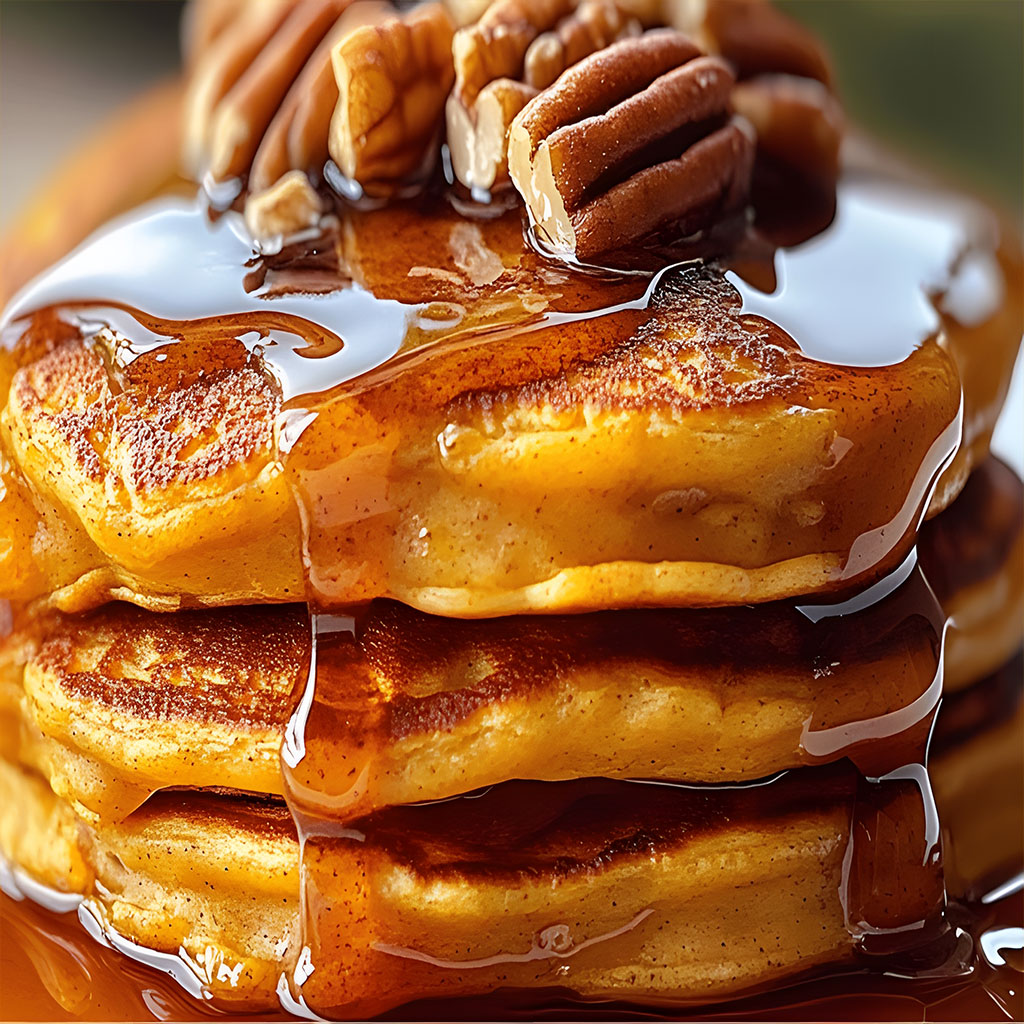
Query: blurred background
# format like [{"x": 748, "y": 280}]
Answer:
[{"x": 941, "y": 81}]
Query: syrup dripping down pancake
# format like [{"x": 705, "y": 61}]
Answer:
[
  {"x": 973, "y": 558},
  {"x": 527, "y": 875},
  {"x": 486, "y": 433},
  {"x": 212, "y": 875},
  {"x": 406, "y": 707},
  {"x": 48, "y": 843}
]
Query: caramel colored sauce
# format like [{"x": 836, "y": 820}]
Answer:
[
  {"x": 386, "y": 677},
  {"x": 411, "y": 328},
  {"x": 389, "y": 299},
  {"x": 51, "y": 970}
]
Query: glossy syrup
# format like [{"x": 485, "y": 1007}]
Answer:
[
  {"x": 53, "y": 971},
  {"x": 391, "y": 318},
  {"x": 382, "y": 324}
]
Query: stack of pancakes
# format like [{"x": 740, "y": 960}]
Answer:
[{"x": 610, "y": 646}]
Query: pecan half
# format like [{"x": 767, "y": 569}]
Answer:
[
  {"x": 755, "y": 36},
  {"x": 798, "y": 122},
  {"x": 296, "y": 138},
  {"x": 632, "y": 139},
  {"x": 392, "y": 82},
  {"x": 465, "y": 12},
  {"x": 478, "y": 137},
  {"x": 280, "y": 86},
  {"x": 594, "y": 25},
  {"x": 243, "y": 115},
  {"x": 230, "y": 50},
  {"x": 288, "y": 205},
  {"x": 517, "y": 48}
]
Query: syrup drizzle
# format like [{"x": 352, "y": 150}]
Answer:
[
  {"x": 867, "y": 291},
  {"x": 368, "y": 317},
  {"x": 919, "y": 261}
]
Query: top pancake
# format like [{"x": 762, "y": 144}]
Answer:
[{"x": 674, "y": 449}]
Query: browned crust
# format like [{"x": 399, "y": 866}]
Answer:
[
  {"x": 190, "y": 412},
  {"x": 234, "y": 666}
]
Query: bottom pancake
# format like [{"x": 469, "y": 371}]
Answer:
[
  {"x": 647, "y": 893},
  {"x": 978, "y": 779},
  {"x": 208, "y": 877},
  {"x": 654, "y": 893}
]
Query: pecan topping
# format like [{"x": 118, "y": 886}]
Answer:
[
  {"x": 288, "y": 205},
  {"x": 478, "y": 136},
  {"x": 632, "y": 139},
  {"x": 277, "y": 87},
  {"x": 465, "y": 12},
  {"x": 226, "y": 134},
  {"x": 798, "y": 122},
  {"x": 517, "y": 48},
  {"x": 594, "y": 25},
  {"x": 296, "y": 138},
  {"x": 392, "y": 82},
  {"x": 757, "y": 38}
]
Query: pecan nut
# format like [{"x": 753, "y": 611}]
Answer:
[
  {"x": 240, "y": 118},
  {"x": 228, "y": 52},
  {"x": 283, "y": 208},
  {"x": 478, "y": 136},
  {"x": 517, "y": 48},
  {"x": 280, "y": 86},
  {"x": 632, "y": 139},
  {"x": 296, "y": 138},
  {"x": 799, "y": 123},
  {"x": 392, "y": 81},
  {"x": 757, "y": 37},
  {"x": 753, "y": 35}
]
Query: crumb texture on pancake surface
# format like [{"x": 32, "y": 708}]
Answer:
[
  {"x": 715, "y": 463},
  {"x": 120, "y": 702},
  {"x": 633, "y": 874}
]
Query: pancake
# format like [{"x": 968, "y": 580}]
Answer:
[
  {"x": 977, "y": 773},
  {"x": 215, "y": 875},
  {"x": 406, "y": 707},
  {"x": 973, "y": 557},
  {"x": 469, "y": 404},
  {"x": 121, "y": 702},
  {"x": 208, "y": 878}
]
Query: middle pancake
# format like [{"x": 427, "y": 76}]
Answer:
[{"x": 398, "y": 706}]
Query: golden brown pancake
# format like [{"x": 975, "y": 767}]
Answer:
[
  {"x": 121, "y": 702},
  {"x": 515, "y": 454},
  {"x": 973, "y": 556},
  {"x": 644, "y": 890},
  {"x": 205, "y": 876}
]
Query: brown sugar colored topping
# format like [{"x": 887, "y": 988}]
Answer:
[{"x": 631, "y": 139}]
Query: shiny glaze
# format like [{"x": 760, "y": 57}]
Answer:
[
  {"x": 918, "y": 255},
  {"x": 87, "y": 982},
  {"x": 53, "y": 970},
  {"x": 319, "y": 341},
  {"x": 386, "y": 675},
  {"x": 366, "y": 319}
]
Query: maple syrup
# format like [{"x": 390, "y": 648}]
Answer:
[{"x": 344, "y": 313}]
